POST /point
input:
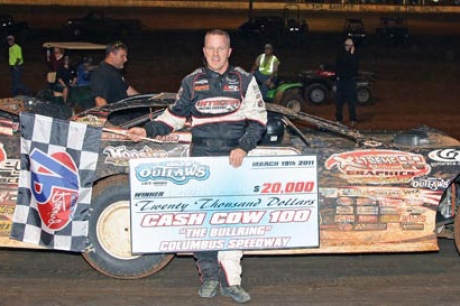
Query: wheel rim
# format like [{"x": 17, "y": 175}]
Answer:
[
  {"x": 294, "y": 105},
  {"x": 317, "y": 96},
  {"x": 113, "y": 231},
  {"x": 363, "y": 96}
]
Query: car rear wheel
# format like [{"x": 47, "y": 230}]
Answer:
[
  {"x": 109, "y": 235},
  {"x": 364, "y": 95},
  {"x": 293, "y": 100},
  {"x": 316, "y": 93}
]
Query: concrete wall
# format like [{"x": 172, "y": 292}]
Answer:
[{"x": 242, "y": 5}]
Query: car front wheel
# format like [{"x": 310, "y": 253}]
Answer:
[{"x": 109, "y": 235}]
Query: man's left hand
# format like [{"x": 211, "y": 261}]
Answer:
[{"x": 236, "y": 157}]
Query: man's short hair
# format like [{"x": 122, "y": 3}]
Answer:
[
  {"x": 114, "y": 47},
  {"x": 10, "y": 37},
  {"x": 217, "y": 32}
]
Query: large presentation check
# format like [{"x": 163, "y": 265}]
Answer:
[{"x": 203, "y": 204}]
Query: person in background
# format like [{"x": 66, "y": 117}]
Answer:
[
  {"x": 84, "y": 71},
  {"x": 346, "y": 70},
  {"x": 55, "y": 58},
  {"x": 228, "y": 119},
  {"x": 265, "y": 69},
  {"x": 66, "y": 79},
  {"x": 16, "y": 61},
  {"x": 107, "y": 82}
]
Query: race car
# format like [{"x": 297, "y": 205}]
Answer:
[{"x": 377, "y": 191}]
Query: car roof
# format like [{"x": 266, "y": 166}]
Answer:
[
  {"x": 75, "y": 45},
  {"x": 393, "y": 17},
  {"x": 357, "y": 20}
]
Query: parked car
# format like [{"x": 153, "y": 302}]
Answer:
[
  {"x": 9, "y": 26},
  {"x": 265, "y": 27},
  {"x": 354, "y": 28},
  {"x": 287, "y": 29},
  {"x": 96, "y": 24},
  {"x": 393, "y": 30},
  {"x": 319, "y": 85},
  {"x": 378, "y": 191}
]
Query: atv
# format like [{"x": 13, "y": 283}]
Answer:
[
  {"x": 319, "y": 85},
  {"x": 287, "y": 94}
]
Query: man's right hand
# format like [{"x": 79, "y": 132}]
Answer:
[{"x": 137, "y": 134}]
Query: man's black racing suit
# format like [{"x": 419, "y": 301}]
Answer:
[
  {"x": 226, "y": 108},
  {"x": 227, "y": 112}
]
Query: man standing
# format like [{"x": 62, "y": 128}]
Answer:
[
  {"x": 265, "y": 69},
  {"x": 346, "y": 70},
  {"x": 107, "y": 82},
  {"x": 228, "y": 119},
  {"x": 16, "y": 61}
]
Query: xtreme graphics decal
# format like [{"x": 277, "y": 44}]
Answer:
[{"x": 378, "y": 166}]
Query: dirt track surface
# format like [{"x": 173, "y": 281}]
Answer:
[
  {"x": 416, "y": 85},
  {"x": 59, "y": 279}
]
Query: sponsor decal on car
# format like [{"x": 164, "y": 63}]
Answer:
[
  {"x": 378, "y": 166},
  {"x": 7, "y": 127},
  {"x": 430, "y": 183},
  {"x": 92, "y": 120},
  {"x": 445, "y": 156},
  {"x": 120, "y": 156},
  {"x": 344, "y": 210}
]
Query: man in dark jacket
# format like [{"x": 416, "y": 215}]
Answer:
[{"x": 346, "y": 69}]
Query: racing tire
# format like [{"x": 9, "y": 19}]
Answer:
[
  {"x": 316, "y": 93},
  {"x": 108, "y": 247},
  {"x": 364, "y": 95},
  {"x": 292, "y": 100}
]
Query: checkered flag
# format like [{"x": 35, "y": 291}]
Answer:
[{"x": 58, "y": 161}]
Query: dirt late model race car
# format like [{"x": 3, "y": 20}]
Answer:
[{"x": 378, "y": 191}]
